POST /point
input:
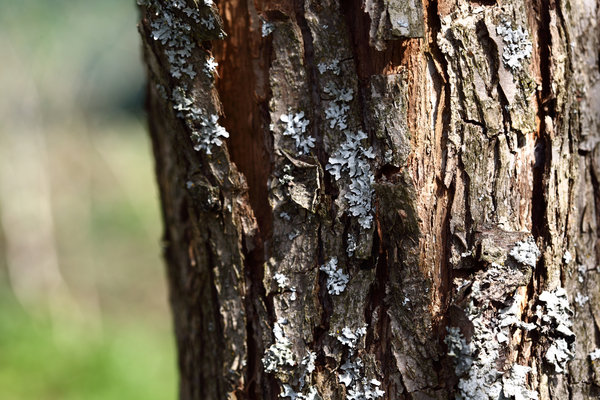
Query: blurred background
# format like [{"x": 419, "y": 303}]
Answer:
[{"x": 83, "y": 303}]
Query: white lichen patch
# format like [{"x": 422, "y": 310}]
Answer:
[
  {"x": 351, "y": 161},
  {"x": 554, "y": 317},
  {"x": 514, "y": 384},
  {"x": 206, "y": 131},
  {"x": 559, "y": 354},
  {"x": 526, "y": 252},
  {"x": 333, "y": 66},
  {"x": 283, "y": 283},
  {"x": 286, "y": 179},
  {"x": 517, "y": 45},
  {"x": 295, "y": 126},
  {"x": 336, "y": 114},
  {"x": 279, "y": 355},
  {"x": 266, "y": 28},
  {"x": 282, "y": 280},
  {"x": 208, "y": 22},
  {"x": 481, "y": 380},
  {"x": 174, "y": 33},
  {"x": 594, "y": 355},
  {"x": 458, "y": 350},
  {"x": 337, "y": 111},
  {"x": 209, "y": 134},
  {"x": 309, "y": 361},
  {"x": 288, "y": 391},
  {"x": 210, "y": 67},
  {"x": 581, "y": 299},
  {"x": 581, "y": 270},
  {"x": 349, "y": 337},
  {"x": 343, "y": 95},
  {"x": 567, "y": 257},
  {"x": 358, "y": 387},
  {"x": 477, "y": 363},
  {"x": 352, "y": 372},
  {"x": 336, "y": 279},
  {"x": 297, "y": 378}
]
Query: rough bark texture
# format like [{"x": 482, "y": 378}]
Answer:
[{"x": 380, "y": 198}]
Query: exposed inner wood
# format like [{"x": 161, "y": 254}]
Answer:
[{"x": 242, "y": 85}]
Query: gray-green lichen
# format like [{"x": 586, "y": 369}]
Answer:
[
  {"x": 526, "y": 252},
  {"x": 279, "y": 355},
  {"x": 351, "y": 160},
  {"x": 352, "y": 373},
  {"x": 295, "y": 126},
  {"x": 279, "y": 359},
  {"x": 206, "y": 131},
  {"x": 515, "y": 384},
  {"x": 171, "y": 25},
  {"x": 336, "y": 278},
  {"x": 517, "y": 45},
  {"x": 479, "y": 361},
  {"x": 554, "y": 318}
]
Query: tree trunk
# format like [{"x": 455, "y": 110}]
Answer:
[{"x": 379, "y": 199}]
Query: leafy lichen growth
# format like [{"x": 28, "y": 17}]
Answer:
[
  {"x": 171, "y": 25},
  {"x": 477, "y": 363},
  {"x": 526, "y": 252},
  {"x": 351, "y": 160},
  {"x": 266, "y": 28},
  {"x": 517, "y": 45},
  {"x": 458, "y": 349},
  {"x": 567, "y": 257},
  {"x": 555, "y": 320},
  {"x": 352, "y": 372},
  {"x": 295, "y": 126},
  {"x": 337, "y": 111},
  {"x": 282, "y": 280},
  {"x": 514, "y": 384},
  {"x": 206, "y": 131},
  {"x": 174, "y": 33},
  {"x": 279, "y": 355},
  {"x": 336, "y": 279},
  {"x": 581, "y": 299},
  {"x": 333, "y": 66},
  {"x": 350, "y": 338}
]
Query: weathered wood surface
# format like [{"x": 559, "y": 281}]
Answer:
[{"x": 379, "y": 199}]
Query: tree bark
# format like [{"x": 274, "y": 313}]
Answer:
[{"x": 379, "y": 198}]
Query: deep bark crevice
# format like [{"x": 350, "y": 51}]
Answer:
[
  {"x": 542, "y": 151},
  {"x": 312, "y": 76},
  {"x": 242, "y": 57},
  {"x": 442, "y": 113},
  {"x": 244, "y": 61}
]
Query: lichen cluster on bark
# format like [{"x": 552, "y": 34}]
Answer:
[{"x": 379, "y": 199}]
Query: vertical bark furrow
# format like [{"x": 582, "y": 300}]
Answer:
[{"x": 244, "y": 61}]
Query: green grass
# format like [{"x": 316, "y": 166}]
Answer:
[{"x": 41, "y": 360}]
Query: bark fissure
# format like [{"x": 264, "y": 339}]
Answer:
[{"x": 312, "y": 73}]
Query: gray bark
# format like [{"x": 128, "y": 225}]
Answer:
[{"x": 379, "y": 199}]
